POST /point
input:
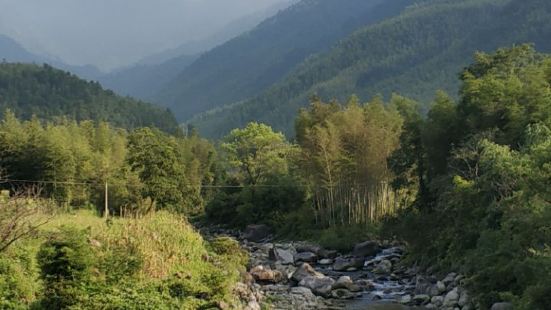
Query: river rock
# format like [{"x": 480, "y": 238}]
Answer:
[
  {"x": 437, "y": 300},
  {"x": 308, "y": 247},
  {"x": 502, "y": 306},
  {"x": 451, "y": 299},
  {"x": 256, "y": 233},
  {"x": 421, "y": 299},
  {"x": 345, "y": 282},
  {"x": 285, "y": 257},
  {"x": 406, "y": 299},
  {"x": 342, "y": 294},
  {"x": 422, "y": 285},
  {"x": 307, "y": 257},
  {"x": 305, "y": 270},
  {"x": 367, "y": 248},
  {"x": 327, "y": 253},
  {"x": 325, "y": 261},
  {"x": 384, "y": 267},
  {"x": 342, "y": 264},
  {"x": 449, "y": 279},
  {"x": 265, "y": 274},
  {"x": 319, "y": 285}
]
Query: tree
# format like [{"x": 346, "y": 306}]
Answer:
[{"x": 257, "y": 152}]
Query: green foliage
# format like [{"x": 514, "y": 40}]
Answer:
[
  {"x": 482, "y": 172},
  {"x": 250, "y": 63},
  {"x": 414, "y": 54},
  {"x": 48, "y": 93},
  {"x": 65, "y": 262},
  {"x": 76, "y": 160}
]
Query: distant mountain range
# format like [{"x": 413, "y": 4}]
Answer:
[
  {"x": 252, "y": 62},
  {"x": 12, "y": 51},
  {"x": 329, "y": 48},
  {"x": 414, "y": 54}
]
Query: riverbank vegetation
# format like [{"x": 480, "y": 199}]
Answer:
[{"x": 466, "y": 186}]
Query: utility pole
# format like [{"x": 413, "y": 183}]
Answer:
[{"x": 106, "y": 211}]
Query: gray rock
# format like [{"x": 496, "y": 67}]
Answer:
[
  {"x": 307, "y": 257},
  {"x": 325, "y": 261},
  {"x": 367, "y": 248},
  {"x": 384, "y": 267},
  {"x": 437, "y": 300},
  {"x": 421, "y": 299},
  {"x": 342, "y": 264},
  {"x": 285, "y": 257},
  {"x": 319, "y": 285},
  {"x": 308, "y": 247},
  {"x": 441, "y": 287},
  {"x": 256, "y": 233},
  {"x": 450, "y": 278},
  {"x": 342, "y": 294},
  {"x": 305, "y": 270},
  {"x": 406, "y": 299},
  {"x": 345, "y": 282},
  {"x": 502, "y": 306},
  {"x": 451, "y": 299},
  {"x": 327, "y": 253}
]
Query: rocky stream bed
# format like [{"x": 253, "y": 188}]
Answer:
[{"x": 301, "y": 275}]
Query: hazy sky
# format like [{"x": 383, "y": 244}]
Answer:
[{"x": 110, "y": 33}]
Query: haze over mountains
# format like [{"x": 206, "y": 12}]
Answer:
[{"x": 264, "y": 65}]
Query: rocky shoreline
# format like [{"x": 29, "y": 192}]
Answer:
[{"x": 301, "y": 275}]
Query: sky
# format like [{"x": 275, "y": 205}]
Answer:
[{"x": 115, "y": 33}]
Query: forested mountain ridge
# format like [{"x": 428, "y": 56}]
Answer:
[
  {"x": 47, "y": 93},
  {"x": 414, "y": 54},
  {"x": 248, "y": 64}
]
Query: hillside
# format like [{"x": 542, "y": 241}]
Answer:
[
  {"x": 250, "y": 63},
  {"x": 414, "y": 54},
  {"x": 48, "y": 93},
  {"x": 144, "y": 80}
]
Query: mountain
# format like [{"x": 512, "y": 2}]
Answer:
[
  {"x": 49, "y": 93},
  {"x": 146, "y": 78},
  {"x": 414, "y": 54},
  {"x": 247, "y": 65},
  {"x": 143, "y": 81},
  {"x": 12, "y": 51}
]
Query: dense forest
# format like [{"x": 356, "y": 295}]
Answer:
[
  {"x": 466, "y": 186},
  {"x": 414, "y": 54},
  {"x": 49, "y": 93},
  {"x": 251, "y": 62}
]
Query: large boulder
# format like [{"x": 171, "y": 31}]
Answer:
[
  {"x": 266, "y": 275},
  {"x": 285, "y": 257},
  {"x": 256, "y": 233},
  {"x": 343, "y": 264},
  {"x": 305, "y": 270},
  {"x": 321, "y": 286},
  {"x": 367, "y": 248},
  {"x": 452, "y": 298},
  {"x": 308, "y": 247}
]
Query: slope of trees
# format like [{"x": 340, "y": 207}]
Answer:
[
  {"x": 248, "y": 64},
  {"x": 48, "y": 93},
  {"x": 480, "y": 169},
  {"x": 413, "y": 54}
]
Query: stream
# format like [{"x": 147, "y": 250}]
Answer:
[{"x": 301, "y": 275}]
